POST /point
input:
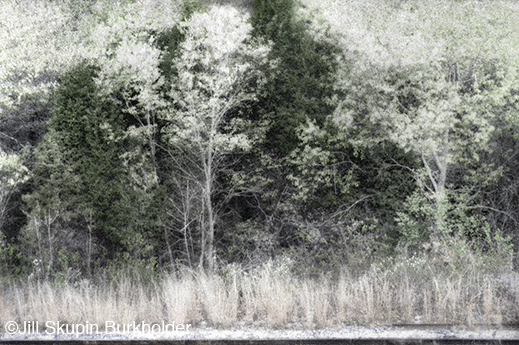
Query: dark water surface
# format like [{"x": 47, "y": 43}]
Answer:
[{"x": 271, "y": 342}]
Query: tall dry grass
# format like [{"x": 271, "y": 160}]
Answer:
[{"x": 271, "y": 296}]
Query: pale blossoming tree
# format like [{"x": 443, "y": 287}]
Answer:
[{"x": 216, "y": 68}]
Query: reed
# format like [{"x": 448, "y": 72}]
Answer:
[{"x": 271, "y": 296}]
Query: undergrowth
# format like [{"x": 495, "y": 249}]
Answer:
[{"x": 467, "y": 292}]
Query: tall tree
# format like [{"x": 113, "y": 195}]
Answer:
[
  {"x": 82, "y": 192},
  {"x": 302, "y": 84},
  {"x": 217, "y": 71},
  {"x": 425, "y": 73}
]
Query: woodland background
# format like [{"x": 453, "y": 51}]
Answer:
[{"x": 325, "y": 134}]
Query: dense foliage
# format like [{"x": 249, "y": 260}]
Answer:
[{"x": 198, "y": 133}]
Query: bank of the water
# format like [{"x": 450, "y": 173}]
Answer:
[
  {"x": 270, "y": 297},
  {"x": 251, "y": 335}
]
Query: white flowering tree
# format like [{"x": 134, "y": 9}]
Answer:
[
  {"x": 429, "y": 74},
  {"x": 35, "y": 44},
  {"x": 217, "y": 71},
  {"x": 445, "y": 132}
]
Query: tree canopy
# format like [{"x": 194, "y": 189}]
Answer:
[{"x": 196, "y": 132}]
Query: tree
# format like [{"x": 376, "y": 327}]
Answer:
[
  {"x": 83, "y": 195},
  {"x": 217, "y": 71},
  {"x": 299, "y": 90},
  {"x": 36, "y": 44},
  {"x": 302, "y": 85},
  {"x": 425, "y": 75}
]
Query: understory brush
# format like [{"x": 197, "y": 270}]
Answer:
[{"x": 390, "y": 291}]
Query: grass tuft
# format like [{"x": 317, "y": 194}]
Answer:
[{"x": 270, "y": 296}]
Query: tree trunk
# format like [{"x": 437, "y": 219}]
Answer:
[
  {"x": 209, "y": 228},
  {"x": 440, "y": 212},
  {"x": 438, "y": 180}
]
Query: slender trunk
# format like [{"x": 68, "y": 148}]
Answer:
[
  {"x": 209, "y": 260},
  {"x": 187, "y": 247},
  {"x": 438, "y": 179},
  {"x": 202, "y": 236},
  {"x": 89, "y": 249},
  {"x": 187, "y": 207},
  {"x": 168, "y": 245},
  {"x": 151, "y": 133},
  {"x": 38, "y": 238},
  {"x": 89, "y": 262},
  {"x": 440, "y": 212},
  {"x": 208, "y": 156},
  {"x": 440, "y": 191},
  {"x": 49, "y": 222}
]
